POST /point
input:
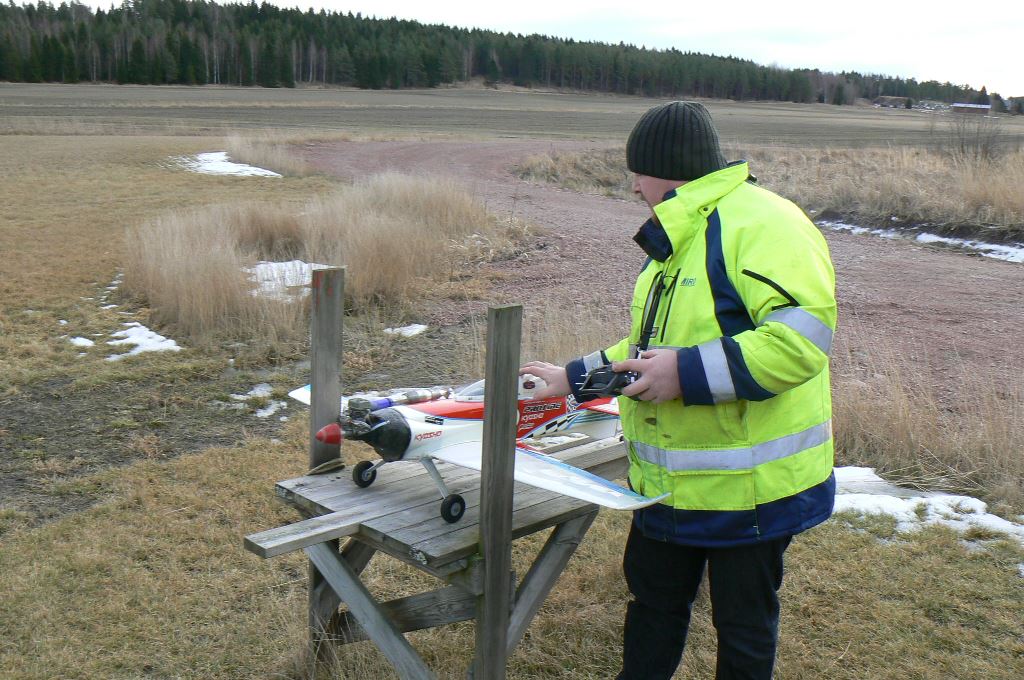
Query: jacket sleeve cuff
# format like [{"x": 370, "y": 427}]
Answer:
[
  {"x": 576, "y": 371},
  {"x": 692, "y": 379}
]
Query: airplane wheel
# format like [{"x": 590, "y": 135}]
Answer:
[
  {"x": 452, "y": 508},
  {"x": 363, "y": 474}
]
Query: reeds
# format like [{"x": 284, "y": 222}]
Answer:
[
  {"x": 930, "y": 186},
  {"x": 395, "y": 234}
]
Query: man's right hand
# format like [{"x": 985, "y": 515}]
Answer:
[{"x": 555, "y": 376}]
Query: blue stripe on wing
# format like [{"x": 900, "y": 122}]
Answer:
[{"x": 589, "y": 476}]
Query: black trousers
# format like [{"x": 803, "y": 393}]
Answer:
[{"x": 664, "y": 577}]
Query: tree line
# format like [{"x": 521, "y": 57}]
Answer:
[{"x": 196, "y": 42}]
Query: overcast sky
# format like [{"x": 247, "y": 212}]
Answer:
[{"x": 967, "y": 43}]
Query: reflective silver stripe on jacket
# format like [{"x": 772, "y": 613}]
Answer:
[
  {"x": 716, "y": 370},
  {"x": 592, "y": 361},
  {"x": 677, "y": 460},
  {"x": 806, "y": 324}
]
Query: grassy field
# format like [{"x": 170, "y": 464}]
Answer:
[
  {"x": 131, "y": 110},
  {"x": 124, "y": 493}
]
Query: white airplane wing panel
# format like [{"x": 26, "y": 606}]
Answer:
[{"x": 549, "y": 473}]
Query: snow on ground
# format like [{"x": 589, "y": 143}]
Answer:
[
  {"x": 81, "y": 342},
  {"x": 217, "y": 163},
  {"x": 263, "y": 390},
  {"x": 860, "y": 490},
  {"x": 283, "y": 280},
  {"x": 407, "y": 331},
  {"x": 144, "y": 340},
  {"x": 1010, "y": 253}
]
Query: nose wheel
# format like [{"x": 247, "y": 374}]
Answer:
[
  {"x": 452, "y": 508},
  {"x": 364, "y": 473}
]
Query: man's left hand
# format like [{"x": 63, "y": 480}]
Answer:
[{"x": 659, "y": 376}]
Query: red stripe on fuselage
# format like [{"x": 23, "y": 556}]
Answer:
[{"x": 450, "y": 408}]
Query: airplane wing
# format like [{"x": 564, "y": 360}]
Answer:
[{"x": 551, "y": 474}]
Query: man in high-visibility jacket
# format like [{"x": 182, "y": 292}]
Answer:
[{"x": 729, "y": 411}]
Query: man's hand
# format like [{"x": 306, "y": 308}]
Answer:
[
  {"x": 555, "y": 376},
  {"x": 659, "y": 376}
]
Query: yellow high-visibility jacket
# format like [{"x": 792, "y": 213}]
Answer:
[{"x": 739, "y": 282}]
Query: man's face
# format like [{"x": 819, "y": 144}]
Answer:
[{"x": 653, "y": 189}]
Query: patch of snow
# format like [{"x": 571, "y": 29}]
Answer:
[
  {"x": 406, "y": 331},
  {"x": 1009, "y": 253},
  {"x": 1014, "y": 253},
  {"x": 860, "y": 490},
  {"x": 271, "y": 408},
  {"x": 274, "y": 279},
  {"x": 261, "y": 390},
  {"x": 144, "y": 340},
  {"x": 108, "y": 306},
  {"x": 81, "y": 342},
  {"x": 217, "y": 163},
  {"x": 63, "y": 322}
]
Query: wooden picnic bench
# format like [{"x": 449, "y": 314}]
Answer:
[{"x": 399, "y": 516}]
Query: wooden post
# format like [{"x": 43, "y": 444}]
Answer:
[
  {"x": 325, "y": 358},
  {"x": 504, "y": 328},
  {"x": 327, "y": 310}
]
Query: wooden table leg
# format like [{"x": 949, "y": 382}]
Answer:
[
  {"x": 324, "y": 617},
  {"x": 544, "y": 573},
  {"x": 346, "y": 584}
]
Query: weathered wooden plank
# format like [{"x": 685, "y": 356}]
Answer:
[
  {"x": 416, "y": 612},
  {"x": 385, "y": 488},
  {"x": 527, "y": 520},
  {"x": 357, "y": 554},
  {"x": 280, "y": 540},
  {"x": 544, "y": 573},
  {"x": 504, "y": 332},
  {"x": 346, "y": 584},
  {"x": 327, "y": 309}
]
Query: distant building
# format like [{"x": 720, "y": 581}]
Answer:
[{"x": 971, "y": 108}]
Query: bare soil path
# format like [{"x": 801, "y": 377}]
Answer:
[{"x": 940, "y": 310}]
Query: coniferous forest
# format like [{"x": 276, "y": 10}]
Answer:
[{"x": 196, "y": 42}]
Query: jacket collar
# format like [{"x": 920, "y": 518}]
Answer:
[
  {"x": 653, "y": 239},
  {"x": 674, "y": 223}
]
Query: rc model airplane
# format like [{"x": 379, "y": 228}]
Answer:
[{"x": 447, "y": 425}]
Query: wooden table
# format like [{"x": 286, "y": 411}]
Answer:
[{"x": 400, "y": 515}]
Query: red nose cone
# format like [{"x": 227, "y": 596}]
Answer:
[{"x": 329, "y": 434}]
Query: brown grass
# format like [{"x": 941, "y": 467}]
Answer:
[
  {"x": 156, "y": 583},
  {"x": 871, "y": 185},
  {"x": 152, "y": 582},
  {"x": 967, "y": 440},
  {"x": 269, "y": 151},
  {"x": 394, "y": 233}
]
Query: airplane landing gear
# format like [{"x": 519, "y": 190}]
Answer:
[
  {"x": 364, "y": 473},
  {"x": 452, "y": 508}
]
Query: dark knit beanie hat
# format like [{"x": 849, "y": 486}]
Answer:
[{"x": 675, "y": 141}]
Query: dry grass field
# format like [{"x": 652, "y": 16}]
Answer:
[{"x": 125, "y": 490}]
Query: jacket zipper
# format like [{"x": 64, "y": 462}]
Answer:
[{"x": 668, "y": 309}]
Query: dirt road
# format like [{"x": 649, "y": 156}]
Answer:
[{"x": 941, "y": 311}]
